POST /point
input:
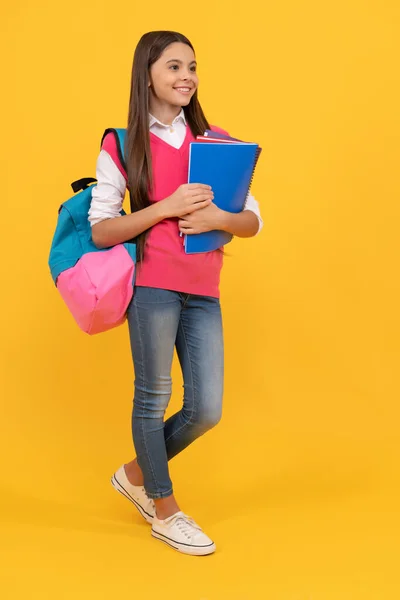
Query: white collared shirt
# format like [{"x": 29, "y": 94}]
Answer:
[{"x": 108, "y": 195}]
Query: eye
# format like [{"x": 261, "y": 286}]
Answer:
[
  {"x": 193, "y": 68},
  {"x": 174, "y": 67}
]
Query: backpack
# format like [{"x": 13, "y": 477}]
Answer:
[{"x": 97, "y": 285}]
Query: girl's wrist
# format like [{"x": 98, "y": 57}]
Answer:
[
  {"x": 161, "y": 210},
  {"x": 224, "y": 221}
]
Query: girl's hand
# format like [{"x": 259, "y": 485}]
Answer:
[
  {"x": 207, "y": 219},
  {"x": 188, "y": 198}
]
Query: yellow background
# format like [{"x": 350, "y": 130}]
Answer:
[{"x": 299, "y": 483}]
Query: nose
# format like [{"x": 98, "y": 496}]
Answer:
[{"x": 187, "y": 75}]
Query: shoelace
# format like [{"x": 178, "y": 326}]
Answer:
[{"x": 185, "y": 524}]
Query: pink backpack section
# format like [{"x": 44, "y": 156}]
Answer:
[{"x": 98, "y": 289}]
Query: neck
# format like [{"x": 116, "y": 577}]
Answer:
[{"x": 165, "y": 114}]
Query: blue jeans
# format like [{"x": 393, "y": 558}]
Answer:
[{"x": 158, "y": 321}]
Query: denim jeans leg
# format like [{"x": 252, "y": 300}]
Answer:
[
  {"x": 200, "y": 349},
  {"x": 153, "y": 319}
]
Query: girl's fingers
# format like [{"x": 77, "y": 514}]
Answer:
[
  {"x": 193, "y": 186},
  {"x": 201, "y": 194},
  {"x": 199, "y": 205}
]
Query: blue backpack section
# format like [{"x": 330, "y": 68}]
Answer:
[{"x": 73, "y": 234}]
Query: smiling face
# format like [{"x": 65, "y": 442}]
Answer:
[{"x": 173, "y": 79}]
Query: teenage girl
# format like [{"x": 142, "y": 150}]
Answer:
[{"x": 176, "y": 300}]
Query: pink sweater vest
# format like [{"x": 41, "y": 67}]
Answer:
[{"x": 165, "y": 264}]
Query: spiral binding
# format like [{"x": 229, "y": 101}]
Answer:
[{"x": 258, "y": 152}]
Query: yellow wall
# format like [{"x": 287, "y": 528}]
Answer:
[{"x": 303, "y": 469}]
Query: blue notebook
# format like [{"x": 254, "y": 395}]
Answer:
[{"x": 229, "y": 169}]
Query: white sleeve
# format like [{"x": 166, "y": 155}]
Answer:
[
  {"x": 252, "y": 204},
  {"x": 109, "y": 192}
]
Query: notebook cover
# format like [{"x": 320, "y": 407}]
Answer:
[{"x": 228, "y": 168}]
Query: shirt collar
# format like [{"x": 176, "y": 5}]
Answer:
[{"x": 153, "y": 120}]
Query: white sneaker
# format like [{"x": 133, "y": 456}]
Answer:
[
  {"x": 135, "y": 493},
  {"x": 182, "y": 533}
]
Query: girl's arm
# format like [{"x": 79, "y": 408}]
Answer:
[
  {"x": 109, "y": 227},
  {"x": 111, "y": 231},
  {"x": 244, "y": 224},
  {"x": 106, "y": 204}
]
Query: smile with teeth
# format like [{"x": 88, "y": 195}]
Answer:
[{"x": 183, "y": 90}]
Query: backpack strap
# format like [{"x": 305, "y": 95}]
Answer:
[{"x": 113, "y": 142}]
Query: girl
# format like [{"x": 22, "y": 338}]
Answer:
[{"x": 176, "y": 301}]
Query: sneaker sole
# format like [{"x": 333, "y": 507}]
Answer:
[
  {"x": 184, "y": 548},
  {"x": 115, "y": 483}
]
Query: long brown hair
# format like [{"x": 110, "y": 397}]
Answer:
[{"x": 137, "y": 149}]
